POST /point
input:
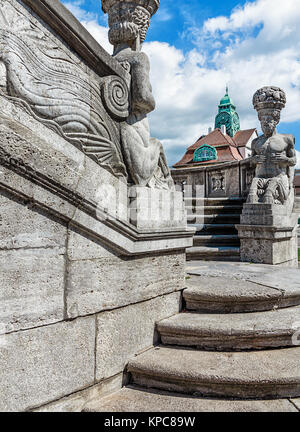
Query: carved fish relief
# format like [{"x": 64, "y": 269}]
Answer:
[{"x": 56, "y": 88}]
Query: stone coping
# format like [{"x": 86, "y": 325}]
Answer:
[
  {"x": 63, "y": 22},
  {"x": 214, "y": 167}
]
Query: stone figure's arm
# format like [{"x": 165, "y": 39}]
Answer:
[
  {"x": 255, "y": 157},
  {"x": 291, "y": 152},
  {"x": 142, "y": 98}
]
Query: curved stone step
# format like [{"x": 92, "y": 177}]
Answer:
[
  {"x": 221, "y": 332},
  {"x": 270, "y": 374},
  {"x": 134, "y": 399},
  {"x": 226, "y": 295}
]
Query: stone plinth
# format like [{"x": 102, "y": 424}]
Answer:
[{"x": 268, "y": 235}]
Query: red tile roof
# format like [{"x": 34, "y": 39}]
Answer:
[
  {"x": 226, "y": 148},
  {"x": 241, "y": 138}
]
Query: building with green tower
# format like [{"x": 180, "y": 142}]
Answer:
[{"x": 228, "y": 116}]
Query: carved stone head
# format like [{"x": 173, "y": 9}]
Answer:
[
  {"x": 129, "y": 20},
  {"x": 268, "y": 102}
]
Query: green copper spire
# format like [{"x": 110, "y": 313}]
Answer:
[{"x": 228, "y": 116}]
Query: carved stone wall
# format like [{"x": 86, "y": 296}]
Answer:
[{"x": 58, "y": 88}]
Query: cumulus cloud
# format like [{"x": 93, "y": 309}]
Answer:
[
  {"x": 258, "y": 44},
  {"x": 298, "y": 159}
]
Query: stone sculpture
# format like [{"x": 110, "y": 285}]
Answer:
[
  {"x": 268, "y": 226},
  {"x": 144, "y": 156},
  {"x": 56, "y": 88},
  {"x": 273, "y": 154}
]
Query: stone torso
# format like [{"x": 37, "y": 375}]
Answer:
[{"x": 270, "y": 147}]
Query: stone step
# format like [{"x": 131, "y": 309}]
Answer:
[
  {"x": 135, "y": 399},
  {"x": 235, "y": 332},
  {"x": 214, "y": 209},
  {"x": 228, "y": 228},
  {"x": 214, "y": 201},
  {"x": 216, "y": 240},
  {"x": 211, "y": 253},
  {"x": 272, "y": 374},
  {"x": 232, "y": 218},
  {"x": 229, "y": 295}
]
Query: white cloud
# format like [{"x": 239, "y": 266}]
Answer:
[
  {"x": 298, "y": 159},
  {"x": 258, "y": 44}
]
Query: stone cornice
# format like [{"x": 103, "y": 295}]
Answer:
[
  {"x": 77, "y": 37},
  {"x": 84, "y": 215}
]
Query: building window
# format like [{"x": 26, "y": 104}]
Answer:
[{"x": 205, "y": 153}]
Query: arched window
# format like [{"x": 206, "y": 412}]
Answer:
[{"x": 205, "y": 153}]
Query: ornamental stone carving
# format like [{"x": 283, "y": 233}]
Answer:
[
  {"x": 273, "y": 154},
  {"x": 144, "y": 156},
  {"x": 51, "y": 82}
]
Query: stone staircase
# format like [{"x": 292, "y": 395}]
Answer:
[
  {"x": 216, "y": 237},
  {"x": 231, "y": 349}
]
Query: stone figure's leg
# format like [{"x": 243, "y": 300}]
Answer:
[
  {"x": 277, "y": 190},
  {"x": 253, "y": 193},
  {"x": 163, "y": 164},
  {"x": 141, "y": 161},
  {"x": 3, "y": 77}
]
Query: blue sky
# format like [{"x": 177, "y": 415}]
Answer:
[{"x": 196, "y": 47}]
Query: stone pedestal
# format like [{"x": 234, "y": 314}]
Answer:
[{"x": 268, "y": 235}]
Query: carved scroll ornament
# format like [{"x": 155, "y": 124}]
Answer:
[{"x": 55, "y": 86}]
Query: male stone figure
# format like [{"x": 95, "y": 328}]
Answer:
[
  {"x": 273, "y": 154},
  {"x": 144, "y": 156}
]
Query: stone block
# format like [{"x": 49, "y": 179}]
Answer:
[
  {"x": 22, "y": 226},
  {"x": 82, "y": 247},
  {"x": 31, "y": 287},
  {"x": 124, "y": 332},
  {"x": 156, "y": 209},
  {"x": 40, "y": 365},
  {"x": 85, "y": 399},
  {"x": 268, "y": 245},
  {"x": 97, "y": 285}
]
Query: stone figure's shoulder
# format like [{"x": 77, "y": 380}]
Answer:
[
  {"x": 141, "y": 58},
  {"x": 255, "y": 141},
  {"x": 289, "y": 139}
]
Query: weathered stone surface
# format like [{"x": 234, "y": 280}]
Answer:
[
  {"x": 40, "y": 365},
  {"x": 133, "y": 399},
  {"x": 31, "y": 287},
  {"x": 22, "y": 226},
  {"x": 96, "y": 285},
  {"x": 221, "y": 332},
  {"x": 266, "y": 275},
  {"x": 156, "y": 209},
  {"x": 245, "y": 375},
  {"x": 79, "y": 401},
  {"x": 124, "y": 332},
  {"x": 225, "y": 295},
  {"x": 81, "y": 247},
  {"x": 267, "y": 250}
]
